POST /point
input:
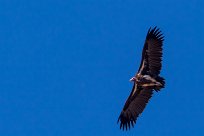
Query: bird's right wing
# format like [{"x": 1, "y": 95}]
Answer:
[{"x": 134, "y": 106}]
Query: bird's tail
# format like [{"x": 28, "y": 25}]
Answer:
[{"x": 162, "y": 81}]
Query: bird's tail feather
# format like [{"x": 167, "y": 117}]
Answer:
[{"x": 162, "y": 81}]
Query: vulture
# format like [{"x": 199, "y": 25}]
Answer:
[{"x": 146, "y": 81}]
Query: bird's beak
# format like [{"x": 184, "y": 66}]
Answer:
[{"x": 132, "y": 79}]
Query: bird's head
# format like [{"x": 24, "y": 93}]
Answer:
[{"x": 133, "y": 79}]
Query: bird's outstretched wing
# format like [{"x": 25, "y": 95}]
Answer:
[
  {"x": 134, "y": 106},
  {"x": 152, "y": 53},
  {"x": 150, "y": 65}
]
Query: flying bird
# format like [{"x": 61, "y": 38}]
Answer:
[{"x": 146, "y": 81}]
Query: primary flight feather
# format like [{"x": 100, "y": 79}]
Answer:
[{"x": 146, "y": 80}]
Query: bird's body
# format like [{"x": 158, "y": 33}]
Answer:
[{"x": 146, "y": 80}]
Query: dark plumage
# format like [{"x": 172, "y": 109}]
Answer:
[{"x": 146, "y": 80}]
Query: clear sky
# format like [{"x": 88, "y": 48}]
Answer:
[{"x": 65, "y": 66}]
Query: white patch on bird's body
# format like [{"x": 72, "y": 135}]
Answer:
[
  {"x": 135, "y": 89},
  {"x": 140, "y": 71},
  {"x": 148, "y": 77}
]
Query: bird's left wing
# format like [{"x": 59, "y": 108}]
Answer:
[
  {"x": 152, "y": 53},
  {"x": 134, "y": 106}
]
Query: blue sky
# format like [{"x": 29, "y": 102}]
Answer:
[{"x": 65, "y": 66}]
